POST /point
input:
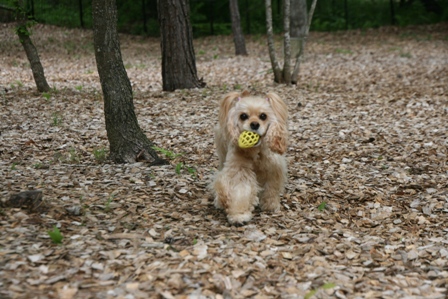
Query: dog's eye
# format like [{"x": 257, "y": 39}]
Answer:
[
  {"x": 244, "y": 116},
  {"x": 263, "y": 116}
]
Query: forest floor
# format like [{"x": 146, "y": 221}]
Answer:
[{"x": 364, "y": 213}]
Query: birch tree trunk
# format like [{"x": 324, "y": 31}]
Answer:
[
  {"x": 238, "y": 36},
  {"x": 278, "y": 74},
  {"x": 127, "y": 141},
  {"x": 284, "y": 75}
]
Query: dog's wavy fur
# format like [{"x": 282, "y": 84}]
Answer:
[{"x": 252, "y": 176}]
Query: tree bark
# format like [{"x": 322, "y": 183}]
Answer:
[
  {"x": 127, "y": 142},
  {"x": 295, "y": 73},
  {"x": 284, "y": 75},
  {"x": 178, "y": 58},
  {"x": 278, "y": 76},
  {"x": 299, "y": 18},
  {"x": 33, "y": 58},
  {"x": 286, "y": 43},
  {"x": 31, "y": 52},
  {"x": 238, "y": 36}
]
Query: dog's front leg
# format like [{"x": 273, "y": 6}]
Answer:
[
  {"x": 236, "y": 192},
  {"x": 272, "y": 179}
]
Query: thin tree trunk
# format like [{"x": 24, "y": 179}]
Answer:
[
  {"x": 127, "y": 141},
  {"x": 299, "y": 19},
  {"x": 33, "y": 58},
  {"x": 178, "y": 58},
  {"x": 238, "y": 36},
  {"x": 295, "y": 73},
  {"x": 278, "y": 77},
  {"x": 30, "y": 49},
  {"x": 286, "y": 43}
]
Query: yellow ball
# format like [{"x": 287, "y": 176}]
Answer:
[{"x": 248, "y": 139}]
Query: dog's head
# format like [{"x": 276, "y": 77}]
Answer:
[{"x": 265, "y": 115}]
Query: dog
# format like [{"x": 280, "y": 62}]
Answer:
[{"x": 253, "y": 176}]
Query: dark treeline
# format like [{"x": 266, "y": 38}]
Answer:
[{"x": 212, "y": 17}]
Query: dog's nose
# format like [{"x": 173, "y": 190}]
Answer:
[{"x": 254, "y": 126}]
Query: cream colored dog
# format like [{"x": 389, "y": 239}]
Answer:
[{"x": 256, "y": 175}]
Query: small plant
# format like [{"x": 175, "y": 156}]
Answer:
[
  {"x": 216, "y": 56},
  {"x": 19, "y": 84},
  {"x": 57, "y": 119},
  {"x": 169, "y": 154},
  {"x": 179, "y": 166},
  {"x": 37, "y": 165},
  {"x": 201, "y": 52},
  {"x": 55, "y": 235},
  {"x": 343, "y": 51},
  {"x": 73, "y": 156},
  {"x": 237, "y": 86},
  {"x": 100, "y": 155},
  {"x": 46, "y": 95},
  {"x": 13, "y": 166},
  {"x": 78, "y": 87},
  {"x": 326, "y": 286},
  {"x": 405, "y": 55},
  {"x": 107, "y": 207},
  {"x": 322, "y": 206}
]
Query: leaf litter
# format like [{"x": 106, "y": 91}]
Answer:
[{"x": 364, "y": 213}]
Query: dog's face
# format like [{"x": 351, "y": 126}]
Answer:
[
  {"x": 264, "y": 115},
  {"x": 252, "y": 114}
]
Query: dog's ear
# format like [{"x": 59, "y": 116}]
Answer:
[
  {"x": 245, "y": 93},
  {"x": 277, "y": 135},
  {"x": 226, "y": 104}
]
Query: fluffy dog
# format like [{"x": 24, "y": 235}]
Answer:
[{"x": 250, "y": 176}]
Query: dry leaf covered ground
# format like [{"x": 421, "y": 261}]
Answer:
[{"x": 364, "y": 214}]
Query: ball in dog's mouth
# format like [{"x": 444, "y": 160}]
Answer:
[{"x": 248, "y": 139}]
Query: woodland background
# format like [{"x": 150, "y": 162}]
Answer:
[{"x": 209, "y": 17}]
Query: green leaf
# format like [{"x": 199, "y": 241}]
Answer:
[
  {"x": 310, "y": 294},
  {"x": 55, "y": 235},
  {"x": 322, "y": 206},
  {"x": 179, "y": 167},
  {"x": 328, "y": 285}
]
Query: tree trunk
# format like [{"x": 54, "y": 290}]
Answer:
[
  {"x": 127, "y": 141},
  {"x": 33, "y": 58},
  {"x": 286, "y": 43},
  {"x": 278, "y": 76},
  {"x": 178, "y": 59},
  {"x": 238, "y": 36},
  {"x": 30, "y": 50},
  {"x": 285, "y": 76},
  {"x": 295, "y": 73},
  {"x": 299, "y": 18}
]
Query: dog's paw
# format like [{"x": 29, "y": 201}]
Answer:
[
  {"x": 218, "y": 203},
  {"x": 270, "y": 206},
  {"x": 239, "y": 219}
]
